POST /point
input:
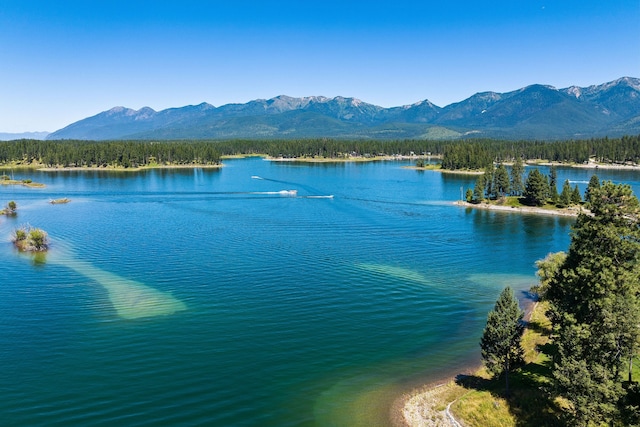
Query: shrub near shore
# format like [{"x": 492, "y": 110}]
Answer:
[{"x": 30, "y": 239}]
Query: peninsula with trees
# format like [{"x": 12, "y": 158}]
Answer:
[
  {"x": 498, "y": 189},
  {"x": 574, "y": 364}
]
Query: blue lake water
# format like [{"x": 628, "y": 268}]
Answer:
[{"x": 207, "y": 297}]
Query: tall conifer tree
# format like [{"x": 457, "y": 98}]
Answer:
[
  {"x": 500, "y": 343},
  {"x": 595, "y": 306},
  {"x": 517, "y": 170}
]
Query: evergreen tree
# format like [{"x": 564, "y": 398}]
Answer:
[
  {"x": 547, "y": 269},
  {"x": 490, "y": 190},
  {"x": 565, "y": 197},
  {"x": 501, "y": 181},
  {"x": 594, "y": 183},
  {"x": 536, "y": 189},
  {"x": 576, "y": 198},
  {"x": 595, "y": 306},
  {"x": 517, "y": 170},
  {"x": 478, "y": 189},
  {"x": 553, "y": 184},
  {"x": 500, "y": 343},
  {"x": 469, "y": 195}
]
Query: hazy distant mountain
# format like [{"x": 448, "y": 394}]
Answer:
[
  {"x": 533, "y": 112},
  {"x": 23, "y": 135}
]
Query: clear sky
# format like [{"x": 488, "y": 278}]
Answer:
[{"x": 62, "y": 61}]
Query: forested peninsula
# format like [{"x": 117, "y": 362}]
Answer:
[
  {"x": 574, "y": 361},
  {"x": 472, "y": 154}
]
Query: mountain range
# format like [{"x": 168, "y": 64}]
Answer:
[{"x": 533, "y": 112}]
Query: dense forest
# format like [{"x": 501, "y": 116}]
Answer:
[
  {"x": 142, "y": 153},
  {"x": 112, "y": 153},
  {"x": 594, "y": 296},
  {"x": 469, "y": 154},
  {"x": 478, "y": 154}
]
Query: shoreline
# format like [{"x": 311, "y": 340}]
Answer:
[
  {"x": 422, "y": 405},
  {"x": 570, "y": 212},
  {"x": 590, "y": 165},
  {"x": 347, "y": 159},
  {"x": 121, "y": 169},
  {"x": 24, "y": 184}
]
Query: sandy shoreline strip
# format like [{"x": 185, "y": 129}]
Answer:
[
  {"x": 590, "y": 165},
  {"x": 428, "y": 405},
  {"x": 571, "y": 211},
  {"x": 121, "y": 169}
]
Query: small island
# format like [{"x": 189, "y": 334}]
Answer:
[
  {"x": 6, "y": 180},
  {"x": 30, "y": 239},
  {"x": 10, "y": 210},
  {"x": 59, "y": 201}
]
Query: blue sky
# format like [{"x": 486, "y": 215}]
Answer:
[{"x": 66, "y": 60}]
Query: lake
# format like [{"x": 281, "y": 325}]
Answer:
[{"x": 212, "y": 297}]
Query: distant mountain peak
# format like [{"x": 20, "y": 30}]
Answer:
[
  {"x": 118, "y": 110},
  {"x": 538, "y": 87},
  {"x": 574, "y": 91},
  {"x": 630, "y": 82},
  {"x": 424, "y": 102},
  {"x": 205, "y": 106},
  {"x": 536, "y": 111},
  {"x": 144, "y": 112}
]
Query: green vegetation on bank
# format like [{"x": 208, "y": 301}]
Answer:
[
  {"x": 478, "y": 154},
  {"x": 594, "y": 296},
  {"x": 114, "y": 154},
  {"x": 473, "y": 154},
  {"x": 6, "y": 180},
  {"x": 499, "y": 187},
  {"x": 581, "y": 347},
  {"x": 134, "y": 154},
  {"x": 481, "y": 399},
  {"x": 502, "y": 351}
]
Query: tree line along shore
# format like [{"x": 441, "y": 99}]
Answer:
[
  {"x": 497, "y": 188},
  {"x": 472, "y": 154}
]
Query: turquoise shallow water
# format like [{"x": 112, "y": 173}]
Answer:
[{"x": 206, "y": 297}]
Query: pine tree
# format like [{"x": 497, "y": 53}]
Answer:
[
  {"x": 469, "y": 195},
  {"x": 536, "y": 190},
  {"x": 594, "y": 183},
  {"x": 576, "y": 198},
  {"x": 595, "y": 306},
  {"x": 553, "y": 184},
  {"x": 500, "y": 343},
  {"x": 565, "y": 197},
  {"x": 488, "y": 182},
  {"x": 517, "y": 170},
  {"x": 547, "y": 269},
  {"x": 478, "y": 189},
  {"x": 501, "y": 181}
]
